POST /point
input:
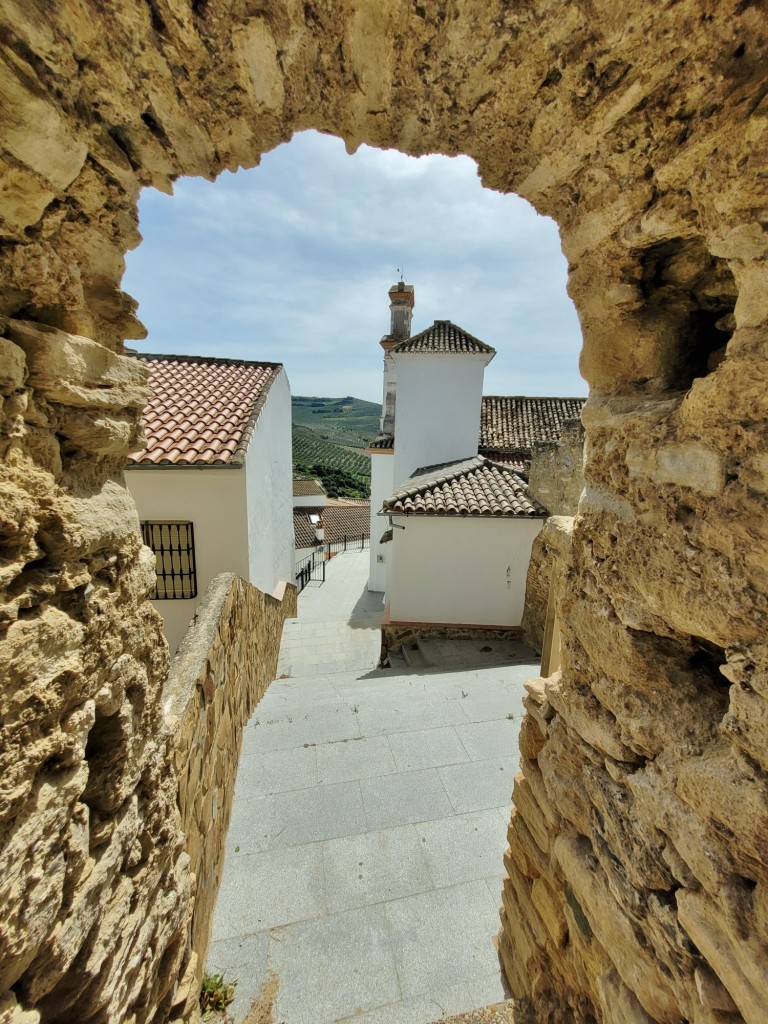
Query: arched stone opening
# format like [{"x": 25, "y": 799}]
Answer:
[{"x": 637, "y": 871}]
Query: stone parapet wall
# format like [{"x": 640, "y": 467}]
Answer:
[
  {"x": 550, "y": 554},
  {"x": 556, "y": 474},
  {"x": 225, "y": 663}
]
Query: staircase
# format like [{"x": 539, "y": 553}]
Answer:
[{"x": 414, "y": 656}]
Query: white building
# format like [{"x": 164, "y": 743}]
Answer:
[
  {"x": 213, "y": 482},
  {"x": 451, "y": 527}
]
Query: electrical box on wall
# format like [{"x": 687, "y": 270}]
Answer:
[{"x": 380, "y": 559}]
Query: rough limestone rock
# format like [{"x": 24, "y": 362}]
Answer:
[{"x": 637, "y": 885}]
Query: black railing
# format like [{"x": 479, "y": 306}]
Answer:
[
  {"x": 311, "y": 568},
  {"x": 348, "y": 543}
]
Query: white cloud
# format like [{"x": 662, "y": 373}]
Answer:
[{"x": 292, "y": 261}]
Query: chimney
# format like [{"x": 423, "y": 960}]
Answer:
[
  {"x": 401, "y": 302},
  {"x": 402, "y": 299}
]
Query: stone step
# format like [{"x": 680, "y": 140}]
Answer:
[
  {"x": 413, "y": 656},
  {"x": 396, "y": 661},
  {"x": 428, "y": 652}
]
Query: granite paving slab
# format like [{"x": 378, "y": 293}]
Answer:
[{"x": 365, "y": 853}]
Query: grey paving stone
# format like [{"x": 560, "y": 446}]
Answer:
[
  {"x": 337, "y": 966},
  {"x": 403, "y": 798},
  {"x": 495, "y": 886},
  {"x": 479, "y": 784},
  {"x": 270, "y": 888},
  {"x": 276, "y": 771},
  {"x": 243, "y": 960},
  {"x": 464, "y": 847},
  {"x": 499, "y": 706},
  {"x": 307, "y": 727},
  {"x": 282, "y": 818},
  {"x": 443, "y": 938},
  {"x": 488, "y": 990},
  {"x": 489, "y": 739},
  {"x": 297, "y": 817},
  {"x": 427, "y": 748},
  {"x": 382, "y": 717},
  {"x": 456, "y": 999},
  {"x": 354, "y": 759},
  {"x": 365, "y": 869}
]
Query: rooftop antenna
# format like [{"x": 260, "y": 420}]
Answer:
[{"x": 401, "y": 275}]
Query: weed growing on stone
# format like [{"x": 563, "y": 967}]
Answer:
[{"x": 215, "y": 995}]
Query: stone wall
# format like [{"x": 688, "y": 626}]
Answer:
[
  {"x": 93, "y": 872},
  {"x": 225, "y": 663},
  {"x": 639, "y": 870},
  {"x": 556, "y": 476},
  {"x": 551, "y": 548}
]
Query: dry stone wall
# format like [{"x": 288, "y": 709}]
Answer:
[
  {"x": 637, "y": 872},
  {"x": 225, "y": 663}
]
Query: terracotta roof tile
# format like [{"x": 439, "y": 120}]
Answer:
[
  {"x": 516, "y": 461},
  {"x": 471, "y": 487},
  {"x": 513, "y": 423},
  {"x": 383, "y": 441},
  {"x": 354, "y": 520},
  {"x": 444, "y": 337},
  {"x": 307, "y": 488},
  {"x": 203, "y": 410}
]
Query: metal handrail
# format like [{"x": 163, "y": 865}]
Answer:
[{"x": 315, "y": 562}]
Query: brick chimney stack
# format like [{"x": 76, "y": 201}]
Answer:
[
  {"x": 401, "y": 302},
  {"x": 402, "y": 299}
]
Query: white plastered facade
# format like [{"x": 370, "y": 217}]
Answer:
[
  {"x": 438, "y": 409},
  {"x": 242, "y": 516},
  {"x": 381, "y": 488},
  {"x": 460, "y": 570}
]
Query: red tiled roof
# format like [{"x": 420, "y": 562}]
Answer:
[
  {"x": 352, "y": 520},
  {"x": 383, "y": 441},
  {"x": 444, "y": 337},
  {"x": 513, "y": 423},
  {"x": 203, "y": 410},
  {"x": 307, "y": 488},
  {"x": 471, "y": 487},
  {"x": 515, "y": 461}
]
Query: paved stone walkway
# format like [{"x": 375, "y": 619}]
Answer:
[{"x": 364, "y": 858}]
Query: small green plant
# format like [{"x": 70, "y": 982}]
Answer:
[{"x": 215, "y": 995}]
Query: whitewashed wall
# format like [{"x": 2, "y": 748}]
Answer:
[
  {"x": 269, "y": 491},
  {"x": 457, "y": 570},
  {"x": 438, "y": 410},
  {"x": 381, "y": 488},
  {"x": 243, "y": 518},
  {"x": 214, "y": 500}
]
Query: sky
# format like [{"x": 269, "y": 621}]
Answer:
[{"x": 291, "y": 262}]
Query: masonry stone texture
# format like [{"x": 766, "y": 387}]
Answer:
[{"x": 637, "y": 886}]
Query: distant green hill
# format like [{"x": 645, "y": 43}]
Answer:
[
  {"x": 329, "y": 436},
  {"x": 348, "y": 421}
]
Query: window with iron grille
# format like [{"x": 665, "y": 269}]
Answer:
[{"x": 173, "y": 542}]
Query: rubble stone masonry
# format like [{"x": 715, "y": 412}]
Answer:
[
  {"x": 637, "y": 885},
  {"x": 225, "y": 663}
]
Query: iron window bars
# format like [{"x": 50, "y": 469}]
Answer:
[{"x": 173, "y": 544}]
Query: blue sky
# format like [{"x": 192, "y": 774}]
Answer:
[{"x": 291, "y": 262}]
